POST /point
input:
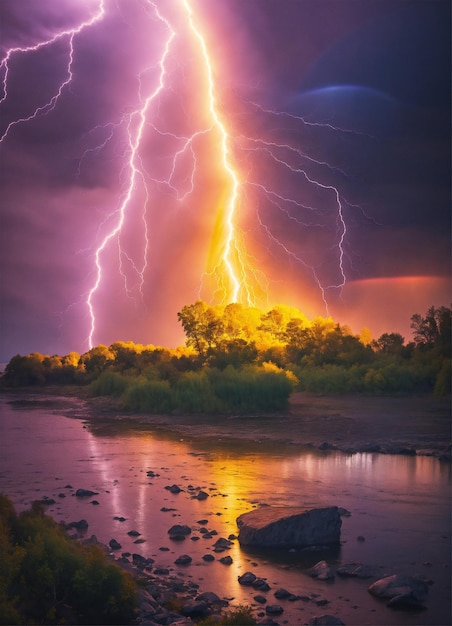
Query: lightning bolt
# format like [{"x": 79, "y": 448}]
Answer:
[
  {"x": 49, "y": 106},
  {"x": 136, "y": 126},
  {"x": 232, "y": 272}
]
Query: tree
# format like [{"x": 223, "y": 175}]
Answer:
[
  {"x": 389, "y": 343},
  {"x": 202, "y": 327},
  {"x": 434, "y": 329}
]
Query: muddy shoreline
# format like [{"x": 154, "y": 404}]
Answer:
[
  {"x": 403, "y": 424},
  {"x": 349, "y": 423}
]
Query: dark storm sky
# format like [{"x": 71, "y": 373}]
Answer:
[{"x": 362, "y": 89}]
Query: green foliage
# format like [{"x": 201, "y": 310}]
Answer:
[
  {"x": 149, "y": 396},
  {"x": 109, "y": 383},
  {"x": 241, "y": 616},
  {"x": 46, "y": 577},
  {"x": 252, "y": 388},
  {"x": 194, "y": 393},
  {"x": 237, "y": 341}
]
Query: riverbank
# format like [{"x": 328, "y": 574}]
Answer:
[
  {"x": 350, "y": 423},
  {"x": 147, "y": 475}
]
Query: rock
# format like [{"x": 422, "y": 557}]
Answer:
[
  {"x": 195, "y": 609},
  {"x": 208, "y": 558},
  {"x": 161, "y": 571},
  {"x": 95, "y": 502},
  {"x": 173, "y": 488},
  {"x": 356, "y": 569},
  {"x": 114, "y": 545},
  {"x": 360, "y": 538},
  {"x": 81, "y": 525},
  {"x": 343, "y": 512},
  {"x": 282, "y": 594},
  {"x": 211, "y": 598},
  {"x": 260, "y": 599},
  {"x": 401, "y": 590},
  {"x": 179, "y": 529},
  {"x": 261, "y": 584},
  {"x": 133, "y": 533},
  {"x": 46, "y": 500},
  {"x": 326, "y": 620},
  {"x": 119, "y": 519},
  {"x": 222, "y": 544},
  {"x": 274, "y": 609},
  {"x": 85, "y": 493},
  {"x": 202, "y": 495},
  {"x": 226, "y": 560},
  {"x": 247, "y": 578},
  {"x": 287, "y": 527},
  {"x": 321, "y": 570},
  {"x": 184, "y": 559}
]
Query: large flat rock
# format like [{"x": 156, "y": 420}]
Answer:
[{"x": 289, "y": 527}]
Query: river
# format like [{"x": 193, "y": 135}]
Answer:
[{"x": 399, "y": 505}]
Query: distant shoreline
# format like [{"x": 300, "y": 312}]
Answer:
[{"x": 403, "y": 424}]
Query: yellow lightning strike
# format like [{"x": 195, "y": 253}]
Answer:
[{"x": 230, "y": 245}]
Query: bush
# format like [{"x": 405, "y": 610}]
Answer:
[
  {"x": 252, "y": 389},
  {"x": 109, "y": 383},
  {"x": 46, "y": 577},
  {"x": 149, "y": 396},
  {"x": 195, "y": 393}
]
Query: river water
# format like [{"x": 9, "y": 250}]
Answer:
[{"x": 400, "y": 505}]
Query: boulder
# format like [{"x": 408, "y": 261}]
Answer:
[
  {"x": 400, "y": 590},
  {"x": 289, "y": 527}
]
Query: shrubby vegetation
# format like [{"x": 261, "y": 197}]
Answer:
[
  {"x": 240, "y": 359},
  {"x": 46, "y": 577}
]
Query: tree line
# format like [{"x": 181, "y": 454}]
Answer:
[{"x": 239, "y": 358}]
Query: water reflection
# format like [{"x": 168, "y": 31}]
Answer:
[{"x": 400, "y": 504}]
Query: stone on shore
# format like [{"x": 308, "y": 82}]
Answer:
[
  {"x": 85, "y": 493},
  {"x": 400, "y": 590},
  {"x": 290, "y": 527},
  {"x": 321, "y": 571}
]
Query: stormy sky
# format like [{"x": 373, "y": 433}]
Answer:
[{"x": 336, "y": 117}]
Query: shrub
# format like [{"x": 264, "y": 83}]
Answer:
[
  {"x": 109, "y": 383},
  {"x": 195, "y": 393},
  {"x": 149, "y": 396},
  {"x": 46, "y": 577}
]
